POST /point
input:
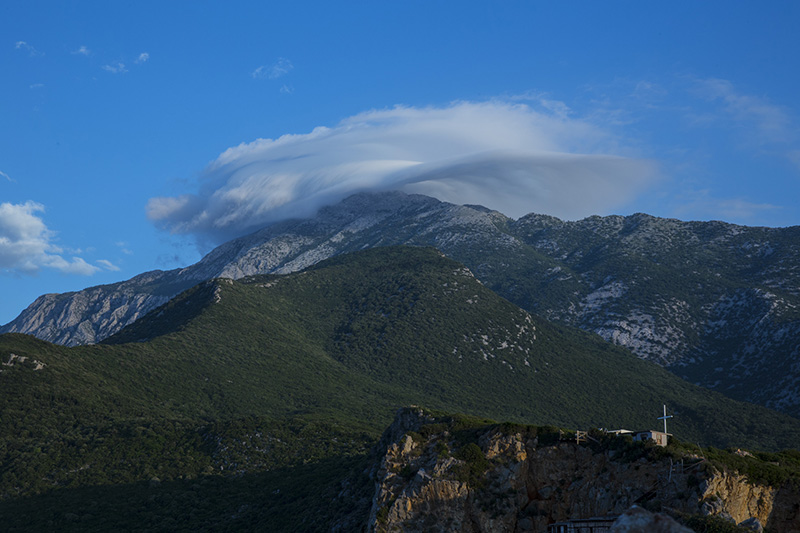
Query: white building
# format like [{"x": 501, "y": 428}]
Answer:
[{"x": 659, "y": 437}]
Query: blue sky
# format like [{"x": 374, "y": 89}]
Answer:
[{"x": 134, "y": 136}]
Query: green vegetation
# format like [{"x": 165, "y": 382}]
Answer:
[
  {"x": 304, "y": 497},
  {"x": 759, "y": 467},
  {"x": 723, "y": 293},
  {"x": 709, "y": 524},
  {"x": 237, "y": 385},
  {"x": 474, "y": 459}
]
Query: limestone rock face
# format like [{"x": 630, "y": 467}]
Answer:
[
  {"x": 732, "y": 494},
  {"x": 637, "y": 520},
  {"x": 785, "y": 514},
  {"x": 753, "y": 524},
  {"x": 429, "y": 479}
]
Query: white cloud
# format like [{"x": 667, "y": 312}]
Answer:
[
  {"x": 22, "y": 45},
  {"x": 117, "y": 68},
  {"x": 143, "y": 57},
  {"x": 505, "y": 156},
  {"x": 36, "y": 86},
  {"x": 280, "y": 68},
  {"x": 762, "y": 124},
  {"x": 702, "y": 205},
  {"x": 794, "y": 157},
  {"x": 77, "y": 266},
  {"x": 771, "y": 121},
  {"x": 26, "y": 243},
  {"x": 123, "y": 247},
  {"x": 6, "y": 176},
  {"x": 83, "y": 51},
  {"x": 108, "y": 265}
]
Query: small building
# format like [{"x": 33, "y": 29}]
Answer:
[
  {"x": 659, "y": 437},
  {"x": 598, "y": 524}
]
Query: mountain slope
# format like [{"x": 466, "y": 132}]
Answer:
[
  {"x": 271, "y": 373},
  {"x": 716, "y": 303},
  {"x": 361, "y": 334},
  {"x": 362, "y": 221}
]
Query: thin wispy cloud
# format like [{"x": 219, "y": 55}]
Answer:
[
  {"x": 761, "y": 124},
  {"x": 107, "y": 265},
  {"x": 119, "y": 67},
  {"x": 82, "y": 51},
  {"x": 697, "y": 127},
  {"x": 6, "y": 176},
  {"x": 703, "y": 205},
  {"x": 794, "y": 157},
  {"x": 36, "y": 85},
  {"x": 771, "y": 121},
  {"x": 280, "y": 68},
  {"x": 123, "y": 247},
  {"x": 649, "y": 91},
  {"x": 506, "y": 156},
  {"x": 22, "y": 45},
  {"x": 26, "y": 244},
  {"x": 116, "y": 68}
]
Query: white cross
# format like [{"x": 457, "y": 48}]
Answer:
[{"x": 664, "y": 418}]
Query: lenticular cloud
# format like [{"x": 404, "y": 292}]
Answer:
[{"x": 508, "y": 157}]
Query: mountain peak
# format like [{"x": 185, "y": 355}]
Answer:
[{"x": 693, "y": 296}]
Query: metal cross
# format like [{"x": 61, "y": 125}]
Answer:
[{"x": 664, "y": 418}]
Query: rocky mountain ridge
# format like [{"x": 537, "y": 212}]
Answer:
[{"x": 718, "y": 304}]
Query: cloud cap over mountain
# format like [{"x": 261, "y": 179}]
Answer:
[{"x": 507, "y": 156}]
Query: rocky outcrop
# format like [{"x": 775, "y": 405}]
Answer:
[
  {"x": 638, "y": 520},
  {"x": 785, "y": 514},
  {"x": 730, "y": 494},
  {"x": 88, "y": 316},
  {"x": 439, "y": 477}
]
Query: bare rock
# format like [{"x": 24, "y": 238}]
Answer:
[
  {"x": 639, "y": 520},
  {"x": 753, "y": 524}
]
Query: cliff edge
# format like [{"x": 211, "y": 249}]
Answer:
[{"x": 454, "y": 473}]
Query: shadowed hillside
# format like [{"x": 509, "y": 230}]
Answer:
[{"x": 242, "y": 377}]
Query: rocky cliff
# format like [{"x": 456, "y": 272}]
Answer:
[
  {"x": 718, "y": 304},
  {"x": 439, "y": 474}
]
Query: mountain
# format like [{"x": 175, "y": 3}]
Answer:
[
  {"x": 716, "y": 303},
  {"x": 244, "y": 403}
]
